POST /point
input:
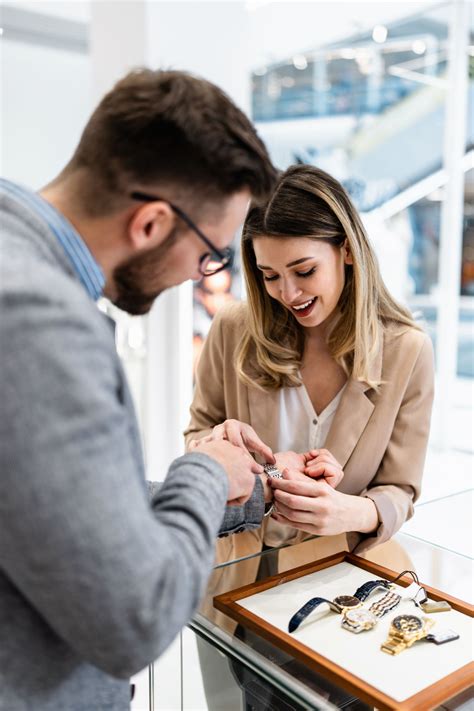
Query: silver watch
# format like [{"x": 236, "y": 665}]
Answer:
[{"x": 273, "y": 473}]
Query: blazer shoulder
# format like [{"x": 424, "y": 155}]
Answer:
[
  {"x": 407, "y": 343},
  {"x": 232, "y": 317}
]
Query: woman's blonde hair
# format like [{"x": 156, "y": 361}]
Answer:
[{"x": 307, "y": 202}]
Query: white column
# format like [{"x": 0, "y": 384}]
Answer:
[
  {"x": 117, "y": 41},
  {"x": 452, "y": 218},
  {"x": 209, "y": 39}
]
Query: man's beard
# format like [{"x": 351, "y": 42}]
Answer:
[{"x": 141, "y": 279}]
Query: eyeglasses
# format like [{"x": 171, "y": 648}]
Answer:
[{"x": 214, "y": 261}]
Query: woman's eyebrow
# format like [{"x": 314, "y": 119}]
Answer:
[{"x": 290, "y": 264}]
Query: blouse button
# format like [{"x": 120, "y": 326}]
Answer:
[{"x": 315, "y": 422}]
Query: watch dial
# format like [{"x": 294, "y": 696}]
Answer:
[
  {"x": 407, "y": 623},
  {"x": 347, "y": 601},
  {"x": 360, "y": 617}
]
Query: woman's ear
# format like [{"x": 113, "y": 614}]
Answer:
[
  {"x": 150, "y": 225},
  {"x": 347, "y": 252}
]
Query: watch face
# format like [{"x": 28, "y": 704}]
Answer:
[
  {"x": 407, "y": 623},
  {"x": 347, "y": 601},
  {"x": 360, "y": 617}
]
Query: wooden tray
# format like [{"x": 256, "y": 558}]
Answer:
[{"x": 434, "y": 694}]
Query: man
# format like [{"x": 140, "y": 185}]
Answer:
[{"x": 95, "y": 582}]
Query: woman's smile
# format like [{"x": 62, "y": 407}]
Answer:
[{"x": 304, "y": 308}]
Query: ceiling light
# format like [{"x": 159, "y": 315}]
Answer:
[
  {"x": 379, "y": 34},
  {"x": 418, "y": 47},
  {"x": 300, "y": 61}
]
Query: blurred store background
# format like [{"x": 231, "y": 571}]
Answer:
[{"x": 380, "y": 94}]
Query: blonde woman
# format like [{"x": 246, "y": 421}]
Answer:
[{"x": 320, "y": 363}]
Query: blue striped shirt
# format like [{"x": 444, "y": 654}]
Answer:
[{"x": 85, "y": 266}]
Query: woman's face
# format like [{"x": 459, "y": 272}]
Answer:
[{"x": 305, "y": 275}]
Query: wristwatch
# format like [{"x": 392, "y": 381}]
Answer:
[
  {"x": 368, "y": 588},
  {"x": 274, "y": 473},
  {"x": 351, "y": 602},
  {"x": 359, "y": 620},
  {"x": 340, "y": 604},
  {"x": 404, "y": 631}
]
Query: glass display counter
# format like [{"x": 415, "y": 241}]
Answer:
[{"x": 242, "y": 670}]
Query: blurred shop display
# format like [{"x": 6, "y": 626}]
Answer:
[
  {"x": 209, "y": 294},
  {"x": 370, "y": 110}
]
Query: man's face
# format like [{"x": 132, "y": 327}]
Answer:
[{"x": 140, "y": 279}]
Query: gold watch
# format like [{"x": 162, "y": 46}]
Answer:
[{"x": 404, "y": 631}]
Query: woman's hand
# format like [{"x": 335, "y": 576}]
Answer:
[
  {"x": 315, "y": 507},
  {"x": 239, "y": 434},
  {"x": 290, "y": 460},
  {"x": 320, "y": 463}
]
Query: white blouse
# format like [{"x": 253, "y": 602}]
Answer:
[{"x": 300, "y": 429}]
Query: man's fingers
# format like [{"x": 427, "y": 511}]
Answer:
[
  {"x": 255, "y": 444},
  {"x": 233, "y": 434}
]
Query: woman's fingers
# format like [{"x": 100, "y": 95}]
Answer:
[
  {"x": 295, "y": 515},
  {"x": 331, "y": 473},
  {"x": 296, "y": 492}
]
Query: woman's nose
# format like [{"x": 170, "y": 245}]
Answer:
[{"x": 289, "y": 291}]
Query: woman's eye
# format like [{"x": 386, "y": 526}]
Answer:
[
  {"x": 308, "y": 273},
  {"x": 270, "y": 278}
]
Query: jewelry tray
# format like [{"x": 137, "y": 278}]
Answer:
[{"x": 420, "y": 677}]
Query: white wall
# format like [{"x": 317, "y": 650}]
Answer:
[{"x": 45, "y": 96}]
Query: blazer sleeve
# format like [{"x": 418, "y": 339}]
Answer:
[
  {"x": 208, "y": 409},
  {"x": 111, "y": 575},
  {"x": 397, "y": 484},
  {"x": 208, "y": 405}
]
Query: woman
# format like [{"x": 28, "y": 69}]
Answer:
[{"x": 320, "y": 356}]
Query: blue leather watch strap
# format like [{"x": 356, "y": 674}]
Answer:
[
  {"x": 366, "y": 589},
  {"x": 306, "y": 610}
]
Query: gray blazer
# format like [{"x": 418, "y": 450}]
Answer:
[{"x": 94, "y": 581}]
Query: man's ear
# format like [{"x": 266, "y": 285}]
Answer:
[
  {"x": 347, "y": 252},
  {"x": 150, "y": 225}
]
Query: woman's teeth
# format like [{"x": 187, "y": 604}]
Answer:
[{"x": 300, "y": 307}]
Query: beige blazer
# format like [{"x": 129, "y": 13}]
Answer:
[{"x": 380, "y": 439}]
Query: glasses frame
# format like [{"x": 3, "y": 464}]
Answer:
[{"x": 224, "y": 256}]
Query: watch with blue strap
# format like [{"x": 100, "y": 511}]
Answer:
[
  {"x": 340, "y": 604},
  {"x": 363, "y": 592}
]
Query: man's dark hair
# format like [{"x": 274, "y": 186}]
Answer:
[{"x": 168, "y": 128}]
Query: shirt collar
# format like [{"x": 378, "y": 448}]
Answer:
[{"x": 85, "y": 266}]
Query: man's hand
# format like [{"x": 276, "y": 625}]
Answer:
[
  {"x": 240, "y": 467},
  {"x": 241, "y": 435}
]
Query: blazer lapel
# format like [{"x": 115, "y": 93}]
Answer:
[
  {"x": 353, "y": 413},
  {"x": 349, "y": 422}
]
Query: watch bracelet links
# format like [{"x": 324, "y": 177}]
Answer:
[
  {"x": 387, "y": 602},
  {"x": 272, "y": 473},
  {"x": 394, "y": 644}
]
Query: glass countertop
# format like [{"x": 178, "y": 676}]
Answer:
[{"x": 268, "y": 678}]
